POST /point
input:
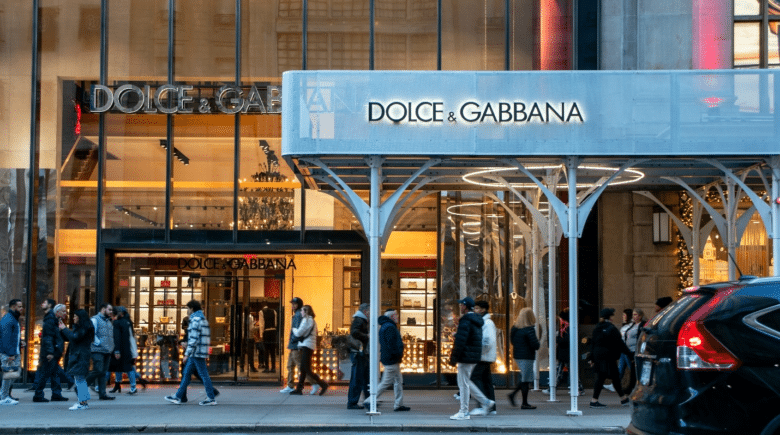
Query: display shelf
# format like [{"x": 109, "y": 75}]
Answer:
[{"x": 416, "y": 298}]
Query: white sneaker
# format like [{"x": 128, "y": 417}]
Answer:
[
  {"x": 8, "y": 401},
  {"x": 609, "y": 387},
  {"x": 478, "y": 411},
  {"x": 456, "y": 396},
  {"x": 460, "y": 416},
  {"x": 314, "y": 389},
  {"x": 208, "y": 402},
  {"x": 78, "y": 406},
  {"x": 286, "y": 390}
]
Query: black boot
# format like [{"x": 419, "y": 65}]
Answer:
[
  {"x": 513, "y": 393},
  {"x": 525, "y": 387},
  {"x": 117, "y": 388},
  {"x": 143, "y": 382}
]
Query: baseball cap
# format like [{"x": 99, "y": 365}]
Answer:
[{"x": 467, "y": 301}]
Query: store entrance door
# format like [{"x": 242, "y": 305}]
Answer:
[{"x": 256, "y": 327}]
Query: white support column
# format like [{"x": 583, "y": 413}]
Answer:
[
  {"x": 552, "y": 316},
  {"x": 574, "y": 378},
  {"x": 730, "y": 208},
  {"x": 374, "y": 299},
  {"x": 536, "y": 302}
]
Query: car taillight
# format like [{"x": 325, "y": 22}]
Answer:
[{"x": 697, "y": 348}]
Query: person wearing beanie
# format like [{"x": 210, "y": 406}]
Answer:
[
  {"x": 607, "y": 346},
  {"x": 662, "y": 303},
  {"x": 466, "y": 353}
]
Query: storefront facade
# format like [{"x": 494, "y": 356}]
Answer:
[{"x": 153, "y": 130}]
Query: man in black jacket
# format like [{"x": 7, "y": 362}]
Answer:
[
  {"x": 466, "y": 353},
  {"x": 607, "y": 347},
  {"x": 358, "y": 380},
  {"x": 391, "y": 354},
  {"x": 52, "y": 346}
]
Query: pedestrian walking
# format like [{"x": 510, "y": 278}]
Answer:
[
  {"x": 391, "y": 347},
  {"x": 198, "y": 342},
  {"x": 294, "y": 357},
  {"x": 79, "y": 354},
  {"x": 125, "y": 352},
  {"x": 466, "y": 353},
  {"x": 52, "y": 346},
  {"x": 607, "y": 345},
  {"x": 482, "y": 376},
  {"x": 102, "y": 348},
  {"x": 11, "y": 345},
  {"x": 185, "y": 325},
  {"x": 525, "y": 343},
  {"x": 306, "y": 334},
  {"x": 358, "y": 380},
  {"x": 631, "y": 338}
]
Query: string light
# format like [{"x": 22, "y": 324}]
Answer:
[{"x": 684, "y": 260}]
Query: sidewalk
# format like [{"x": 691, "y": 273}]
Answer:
[{"x": 263, "y": 409}]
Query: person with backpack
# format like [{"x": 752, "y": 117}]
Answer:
[
  {"x": 306, "y": 334},
  {"x": 102, "y": 349}
]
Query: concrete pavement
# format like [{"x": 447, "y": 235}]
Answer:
[{"x": 263, "y": 409}]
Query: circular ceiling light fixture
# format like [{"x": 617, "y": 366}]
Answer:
[{"x": 628, "y": 176}]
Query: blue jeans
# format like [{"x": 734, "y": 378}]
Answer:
[
  {"x": 81, "y": 388},
  {"x": 358, "y": 380},
  {"x": 623, "y": 363},
  {"x": 118, "y": 377},
  {"x": 48, "y": 371},
  {"x": 193, "y": 365}
]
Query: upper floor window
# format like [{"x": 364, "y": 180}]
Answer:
[{"x": 756, "y": 33}]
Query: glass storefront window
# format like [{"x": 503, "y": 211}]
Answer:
[
  {"x": 406, "y": 35},
  {"x": 245, "y": 299},
  {"x": 473, "y": 35}
]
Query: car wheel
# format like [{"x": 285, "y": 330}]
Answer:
[{"x": 773, "y": 428}]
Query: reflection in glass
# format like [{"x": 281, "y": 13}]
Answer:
[
  {"x": 747, "y": 7},
  {"x": 746, "y": 50}
]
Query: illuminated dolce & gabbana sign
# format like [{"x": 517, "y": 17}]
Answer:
[
  {"x": 250, "y": 262},
  {"x": 475, "y": 112},
  {"x": 172, "y": 99}
]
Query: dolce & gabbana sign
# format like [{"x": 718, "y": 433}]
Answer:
[
  {"x": 250, "y": 262},
  {"x": 173, "y": 98},
  {"x": 475, "y": 112}
]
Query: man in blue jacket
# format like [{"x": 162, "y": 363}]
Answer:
[
  {"x": 466, "y": 353},
  {"x": 11, "y": 344},
  {"x": 391, "y": 354}
]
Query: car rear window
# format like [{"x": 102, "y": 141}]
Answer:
[
  {"x": 671, "y": 319},
  {"x": 771, "y": 320}
]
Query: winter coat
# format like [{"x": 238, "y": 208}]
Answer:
[
  {"x": 52, "y": 342},
  {"x": 359, "y": 329},
  {"x": 104, "y": 329},
  {"x": 292, "y": 342},
  {"x": 630, "y": 334},
  {"x": 607, "y": 345},
  {"x": 9, "y": 334},
  {"x": 198, "y": 336},
  {"x": 122, "y": 332},
  {"x": 308, "y": 331},
  {"x": 467, "y": 347},
  {"x": 79, "y": 349},
  {"x": 391, "y": 345},
  {"x": 489, "y": 342},
  {"x": 524, "y": 342}
]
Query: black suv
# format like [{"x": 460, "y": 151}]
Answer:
[{"x": 709, "y": 363}]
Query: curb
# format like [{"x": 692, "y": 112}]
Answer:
[{"x": 256, "y": 428}]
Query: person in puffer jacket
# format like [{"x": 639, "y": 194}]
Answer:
[
  {"x": 482, "y": 377},
  {"x": 391, "y": 354},
  {"x": 466, "y": 353},
  {"x": 198, "y": 341}
]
